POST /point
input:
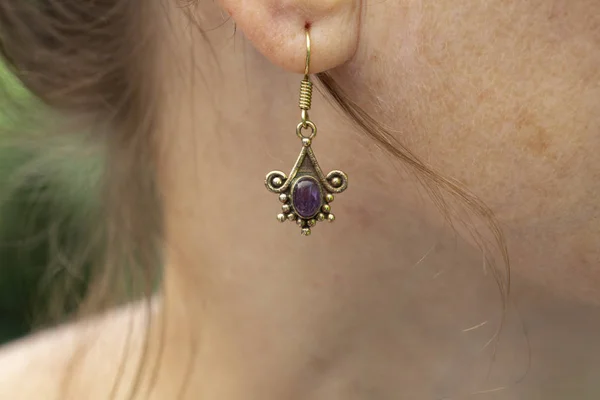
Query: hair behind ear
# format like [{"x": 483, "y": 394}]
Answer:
[
  {"x": 448, "y": 195},
  {"x": 89, "y": 59}
]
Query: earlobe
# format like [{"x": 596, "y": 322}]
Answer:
[{"x": 277, "y": 29}]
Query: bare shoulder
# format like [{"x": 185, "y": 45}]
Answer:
[
  {"x": 75, "y": 361},
  {"x": 32, "y": 366}
]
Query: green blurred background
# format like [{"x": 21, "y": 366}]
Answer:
[{"x": 45, "y": 193}]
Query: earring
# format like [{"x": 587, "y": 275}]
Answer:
[{"x": 306, "y": 194}]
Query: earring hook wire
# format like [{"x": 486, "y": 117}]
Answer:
[{"x": 308, "y": 50}]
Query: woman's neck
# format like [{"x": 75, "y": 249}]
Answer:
[{"x": 385, "y": 300}]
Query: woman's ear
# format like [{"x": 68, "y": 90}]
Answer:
[{"x": 277, "y": 29}]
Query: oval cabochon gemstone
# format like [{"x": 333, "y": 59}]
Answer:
[{"x": 306, "y": 197}]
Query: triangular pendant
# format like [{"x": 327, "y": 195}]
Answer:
[{"x": 307, "y": 193}]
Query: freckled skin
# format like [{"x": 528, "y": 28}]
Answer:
[
  {"x": 507, "y": 102},
  {"x": 501, "y": 96},
  {"x": 387, "y": 302}
]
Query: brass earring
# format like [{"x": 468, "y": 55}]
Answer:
[{"x": 307, "y": 193}]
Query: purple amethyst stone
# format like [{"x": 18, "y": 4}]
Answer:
[{"x": 306, "y": 197}]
